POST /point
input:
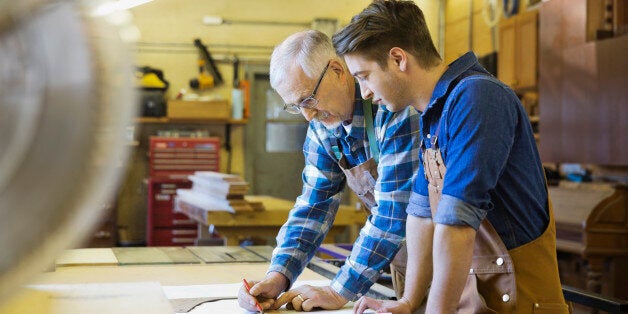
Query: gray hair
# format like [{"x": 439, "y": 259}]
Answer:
[{"x": 310, "y": 49}]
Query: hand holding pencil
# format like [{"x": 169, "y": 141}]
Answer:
[
  {"x": 248, "y": 289},
  {"x": 261, "y": 295}
]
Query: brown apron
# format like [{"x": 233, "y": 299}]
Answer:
[
  {"x": 361, "y": 179},
  {"x": 522, "y": 280}
]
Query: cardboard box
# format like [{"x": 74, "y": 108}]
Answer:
[{"x": 185, "y": 109}]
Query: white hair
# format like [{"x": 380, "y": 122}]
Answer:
[{"x": 310, "y": 49}]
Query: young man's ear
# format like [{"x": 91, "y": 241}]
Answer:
[
  {"x": 336, "y": 67},
  {"x": 399, "y": 57}
]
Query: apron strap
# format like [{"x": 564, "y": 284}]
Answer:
[{"x": 370, "y": 129}]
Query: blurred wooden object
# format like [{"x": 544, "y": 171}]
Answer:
[
  {"x": 592, "y": 237},
  {"x": 518, "y": 51}
]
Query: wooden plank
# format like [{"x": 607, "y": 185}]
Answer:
[
  {"x": 87, "y": 257},
  {"x": 276, "y": 214},
  {"x": 264, "y": 251},
  {"x": 180, "y": 255},
  {"x": 225, "y": 254},
  {"x": 141, "y": 255}
]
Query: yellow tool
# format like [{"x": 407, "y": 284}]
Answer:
[{"x": 208, "y": 74}]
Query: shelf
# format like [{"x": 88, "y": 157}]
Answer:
[
  {"x": 534, "y": 119},
  {"x": 164, "y": 120}
]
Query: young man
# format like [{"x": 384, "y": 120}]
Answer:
[
  {"x": 349, "y": 141},
  {"x": 480, "y": 228}
]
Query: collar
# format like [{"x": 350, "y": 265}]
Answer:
[{"x": 455, "y": 69}]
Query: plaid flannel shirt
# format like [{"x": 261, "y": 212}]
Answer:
[{"x": 323, "y": 181}]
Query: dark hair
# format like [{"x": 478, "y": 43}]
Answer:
[{"x": 385, "y": 24}]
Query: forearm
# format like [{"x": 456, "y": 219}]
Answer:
[
  {"x": 371, "y": 253},
  {"x": 453, "y": 252},
  {"x": 419, "y": 234}
]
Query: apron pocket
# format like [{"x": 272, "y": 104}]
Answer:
[{"x": 472, "y": 301}]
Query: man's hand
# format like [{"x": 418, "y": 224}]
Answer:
[
  {"x": 265, "y": 292},
  {"x": 379, "y": 306},
  {"x": 306, "y": 298}
]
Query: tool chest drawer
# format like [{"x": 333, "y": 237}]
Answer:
[
  {"x": 170, "y": 156},
  {"x": 173, "y": 236},
  {"x": 162, "y": 221}
]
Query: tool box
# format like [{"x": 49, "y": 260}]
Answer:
[{"x": 171, "y": 160}]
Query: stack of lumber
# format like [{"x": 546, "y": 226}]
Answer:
[{"x": 215, "y": 191}]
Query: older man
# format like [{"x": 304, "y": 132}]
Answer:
[{"x": 350, "y": 141}]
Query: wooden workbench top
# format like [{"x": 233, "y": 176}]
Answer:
[{"x": 275, "y": 213}]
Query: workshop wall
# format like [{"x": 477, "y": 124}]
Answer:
[{"x": 164, "y": 24}]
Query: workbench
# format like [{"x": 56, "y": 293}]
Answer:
[
  {"x": 153, "y": 280},
  {"x": 266, "y": 223}
]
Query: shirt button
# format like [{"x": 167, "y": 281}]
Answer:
[
  {"x": 505, "y": 297},
  {"x": 499, "y": 261},
  {"x": 429, "y": 135}
]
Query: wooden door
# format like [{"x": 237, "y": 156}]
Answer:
[{"x": 526, "y": 50}]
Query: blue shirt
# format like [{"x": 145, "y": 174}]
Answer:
[
  {"x": 493, "y": 166},
  {"x": 323, "y": 181}
]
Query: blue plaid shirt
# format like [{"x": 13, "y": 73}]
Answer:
[{"x": 323, "y": 181}]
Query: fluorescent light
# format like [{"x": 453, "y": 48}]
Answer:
[
  {"x": 120, "y": 5},
  {"x": 212, "y": 20}
]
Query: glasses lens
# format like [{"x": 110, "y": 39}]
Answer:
[
  {"x": 309, "y": 103},
  {"x": 293, "y": 109}
]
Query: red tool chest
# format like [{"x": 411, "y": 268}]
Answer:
[
  {"x": 171, "y": 160},
  {"x": 171, "y": 156}
]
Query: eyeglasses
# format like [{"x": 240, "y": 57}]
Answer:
[{"x": 309, "y": 102}]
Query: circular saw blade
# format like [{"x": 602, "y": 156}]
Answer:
[{"x": 66, "y": 98}]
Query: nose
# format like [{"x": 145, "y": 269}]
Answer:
[
  {"x": 365, "y": 91},
  {"x": 308, "y": 113}
]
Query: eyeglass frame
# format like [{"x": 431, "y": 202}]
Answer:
[{"x": 296, "y": 109}]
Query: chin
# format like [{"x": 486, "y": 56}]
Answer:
[
  {"x": 393, "y": 108},
  {"x": 331, "y": 125},
  {"x": 329, "y": 121}
]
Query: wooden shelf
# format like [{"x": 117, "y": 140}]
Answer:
[{"x": 165, "y": 120}]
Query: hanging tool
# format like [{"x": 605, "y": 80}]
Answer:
[
  {"x": 209, "y": 76},
  {"x": 237, "y": 94}
]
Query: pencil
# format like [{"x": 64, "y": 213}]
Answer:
[{"x": 248, "y": 289}]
